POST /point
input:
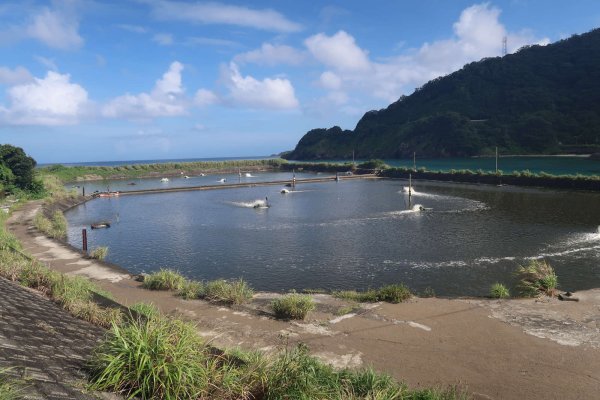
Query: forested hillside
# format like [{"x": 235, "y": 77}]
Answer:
[{"x": 540, "y": 100}]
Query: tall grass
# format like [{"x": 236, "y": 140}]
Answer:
[
  {"x": 154, "y": 358},
  {"x": 293, "y": 306},
  {"x": 537, "y": 278},
  {"x": 56, "y": 227}
]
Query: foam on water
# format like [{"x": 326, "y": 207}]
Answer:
[{"x": 250, "y": 204}]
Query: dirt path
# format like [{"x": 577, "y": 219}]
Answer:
[{"x": 515, "y": 349}]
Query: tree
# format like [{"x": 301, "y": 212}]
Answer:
[{"x": 20, "y": 164}]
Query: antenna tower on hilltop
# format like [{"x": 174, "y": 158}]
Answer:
[{"x": 504, "y": 47}]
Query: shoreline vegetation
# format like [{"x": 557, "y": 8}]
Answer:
[{"x": 517, "y": 178}]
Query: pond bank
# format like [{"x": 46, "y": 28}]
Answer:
[{"x": 499, "y": 349}]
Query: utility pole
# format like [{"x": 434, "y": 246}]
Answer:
[
  {"x": 496, "y": 160},
  {"x": 415, "y": 161}
]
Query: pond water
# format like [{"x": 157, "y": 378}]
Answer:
[{"x": 352, "y": 235}]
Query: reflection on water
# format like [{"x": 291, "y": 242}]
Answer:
[{"x": 352, "y": 234}]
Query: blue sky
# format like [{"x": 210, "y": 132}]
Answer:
[{"x": 147, "y": 79}]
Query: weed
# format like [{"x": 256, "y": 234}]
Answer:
[
  {"x": 499, "y": 291},
  {"x": 293, "y": 306},
  {"x": 10, "y": 388},
  {"x": 428, "y": 292}
]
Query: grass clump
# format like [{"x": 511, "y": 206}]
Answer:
[
  {"x": 99, "y": 253},
  {"x": 293, "y": 306},
  {"x": 395, "y": 293},
  {"x": 499, "y": 291},
  {"x": 228, "y": 292},
  {"x": 165, "y": 279},
  {"x": 153, "y": 358},
  {"x": 537, "y": 278}
]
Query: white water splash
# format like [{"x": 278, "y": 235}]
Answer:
[{"x": 250, "y": 204}]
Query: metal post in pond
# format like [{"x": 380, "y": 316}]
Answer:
[
  {"x": 409, "y": 189},
  {"x": 83, "y": 190},
  {"x": 415, "y": 161},
  {"x": 293, "y": 178},
  {"x": 497, "y": 156},
  {"x": 84, "y": 240}
]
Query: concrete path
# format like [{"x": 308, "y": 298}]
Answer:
[{"x": 516, "y": 349}]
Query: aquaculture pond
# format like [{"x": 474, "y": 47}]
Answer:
[{"x": 352, "y": 234}]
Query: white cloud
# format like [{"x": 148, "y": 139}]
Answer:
[
  {"x": 338, "y": 51},
  {"x": 270, "y": 54},
  {"x": 218, "y": 13},
  {"x": 478, "y": 33},
  {"x": 14, "y": 76},
  {"x": 205, "y": 98},
  {"x": 165, "y": 100},
  {"x": 56, "y": 29},
  {"x": 53, "y": 100},
  {"x": 198, "y": 40},
  {"x": 164, "y": 39},
  {"x": 269, "y": 93}
]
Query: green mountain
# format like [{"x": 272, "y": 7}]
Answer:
[{"x": 540, "y": 100}]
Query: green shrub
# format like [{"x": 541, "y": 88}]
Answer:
[
  {"x": 293, "y": 306},
  {"x": 55, "y": 228},
  {"x": 233, "y": 292},
  {"x": 499, "y": 291},
  {"x": 99, "y": 253},
  {"x": 370, "y": 296},
  {"x": 165, "y": 279},
  {"x": 537, "y": 278},
  {"x": 38, "y": 277}
]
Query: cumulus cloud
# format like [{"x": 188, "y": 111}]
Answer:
[
  {"x": 165, "y": 100},
  {"x": 339, "y": 51},
  {"x": 477, "y": 33},
  {"x": 57, "y": 29},
  {"x": 218, "y": 13},
  {"x": 270, "y": 55},
  {"x": 14, "y": 76},
  {"x": 269, "y": 93},
  {"x": 53, "y": 100}
]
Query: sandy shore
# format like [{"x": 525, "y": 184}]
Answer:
[{"x": 500, "y": 349}]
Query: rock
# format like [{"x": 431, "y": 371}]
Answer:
[{"x": 567, "y": 296}]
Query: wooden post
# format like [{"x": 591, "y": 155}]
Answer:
[{"x": 84, "y": 243}]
